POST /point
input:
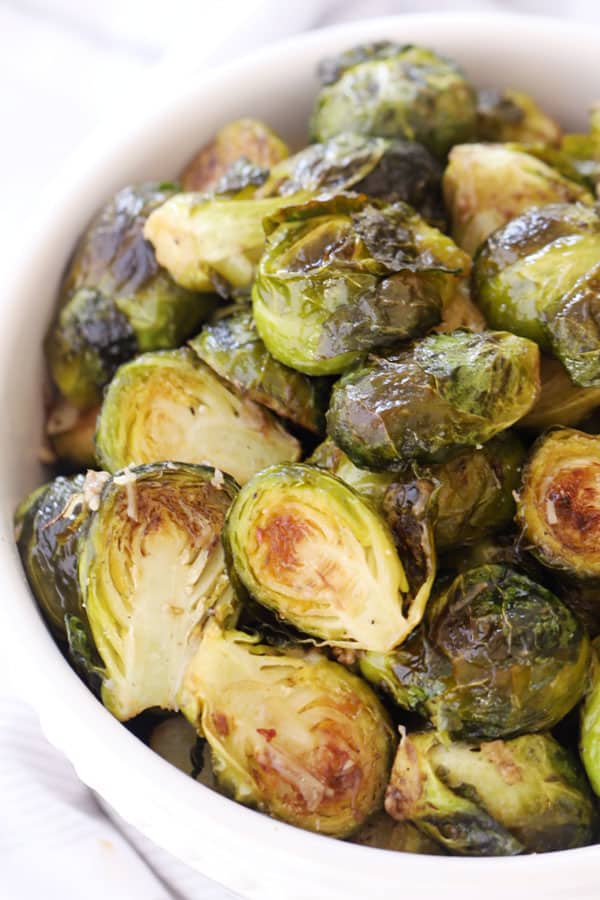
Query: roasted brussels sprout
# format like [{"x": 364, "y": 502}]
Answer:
[
  {"x": 115, "y": 300},
  {"x": 151, "y": 574},
  {"x": 504, "y": 116},
  {"x": 169, "y": 405},
  {"x": 498, "y": 656},
  {"x": 232, "y": 348},
  {"x": 71, "y": 434},
  {"x": 487, "y": 185},
  {"x": 390, "y": 170},
  {"x": 590, "y": 724},
  {"x": 559, "y": 504},
  {"x": 448, "y": 392},
  {"x": 386, "y": 833},
  {"x": 291, "y": 733},
  {"x": 213, "y": 244},
  {"x": 344, "y": 275},
  {"x": 539, "y": 276},
  {"x": 395, "y": 91},
  {"x": 500, "y": 798},
  {"x": 307, "y": 546},
  {"x": 48, "y": 525},
  {"x": 244, "y": 139},
  {"x": 584, "y": 149},
  {"x": 372, "y": 485},
  {"x": 466, "y": 497},
  {"x": 560, "y": 402}
]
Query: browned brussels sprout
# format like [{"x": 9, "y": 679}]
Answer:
[
  {"x": 445, "y": 394},
  {"x": 560, "y": 402},
  {"x": 344, "y": 275},
  {"x": 390, "y": 170},
  {"x": 559, "y": 504},
  {"x": 71, "y": 433},
  {"x": 395, "y": 91},
  {"x": 115, "y": 300},
  {"x": 466, "y": 497},
  {"x": 539, "y": 276},
  {"x": 48, "y": 525},
  {"x": 292, "y": 733},
  {"x": 170, "y": 405},
  {"x": 508, "y": 115},
  {"x": 244, "y": 139},
  {"x": 307, "y": 546},
  {"x": 498, "y": 656},
  {"x": 487, "y": 185},
  {"x": 584, "y": 149},
  {"x": 151, "y": 574},
  {"x": 500, "y": 798},
  {"x": 232, "y": 348}
]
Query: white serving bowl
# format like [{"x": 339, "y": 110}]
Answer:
[{"x": 250, "y": 853}]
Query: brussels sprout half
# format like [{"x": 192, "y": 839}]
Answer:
[
  {"x": 115, "y": 300},
  {"x": 508, "y": 115},
  {"x": 388, "y": 169},
  {"x": 343, "y": 275},
  {"x": 48, "y": 526},
  {"x": 500, "y": 798},
  {"x": 151, "y": 573},
  {"x": 395, "y": 91},
  {"x": 539, "y": 276},
  {"x": 448, "y": 392},
  {"x": 232, "y": 348},
  {"x": 307, "y": 546},
  {"x": 213, "y": 244},
  {"x": 498, "y": 656},
  {"x": 170, "y": 405},
  {"x": 559, "y": 504},
  {"x": 249, "y": 140},
  {"x": 292, "y": 733},
  {"x": 487, "y": 185}
]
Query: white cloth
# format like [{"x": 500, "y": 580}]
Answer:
[{"x": 56, "y": 841}]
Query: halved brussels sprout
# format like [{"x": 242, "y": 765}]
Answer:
[
  {"x": 115, "y": 300},
  {"x": 560, "y": 402},
  {"x": 590, "y": 724},
  {"x": 487, "y": 185},
  {"x": 48, "y": 525},
  {"x": 508, "y": 115},
  {"x": 395, "y": 91},
  {"x": 500, "y": 798},
  {"x": 390, "y": 170},
  {"x": 448, "y": 392},
  {"x": 152, "y": 573},
  {"x": 539, "y": 276},
  {"x": 307, "y": 546},
  {"x": 249, "y": 140},
  {"x": 232, "y": 348},
  {"x": 292, "y": 733},
  {"x": 386, "y": 833},
  {"x": 71, "y": 433},
  {"x": 343, "y": 275},
  {"x": 464, "y": 498},
  {"x": 559, "y": 504},
  {"x": 170, "y": 405},
  {"x": 498, "y": 656},
  {"x": 209, "y": 244}
]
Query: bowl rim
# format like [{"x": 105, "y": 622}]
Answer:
[{"x": 60, "y": 690}]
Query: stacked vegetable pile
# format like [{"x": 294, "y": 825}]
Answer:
[{"x": 337, "y": 551}]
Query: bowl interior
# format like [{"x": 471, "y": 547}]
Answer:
[{"x": 156, "y": 134}]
